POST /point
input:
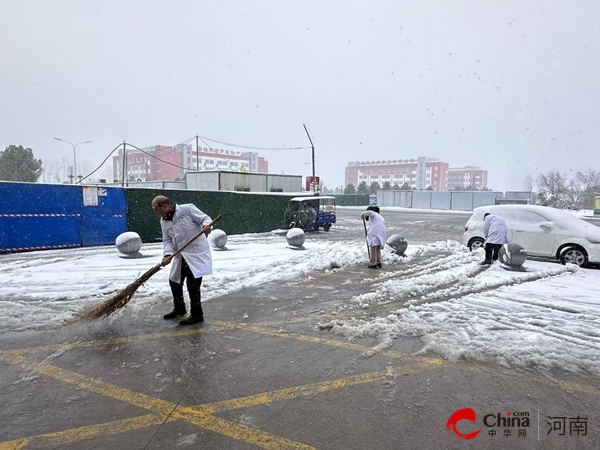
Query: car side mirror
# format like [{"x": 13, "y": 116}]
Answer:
[{"x": 547, "y": 226}]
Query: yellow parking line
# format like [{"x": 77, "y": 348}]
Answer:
[
  {"x": 87, "y": 432},
  {"x": 101, "y": 387},
  {"x": 163, "y": 407},
  {"x": 239, "y": 432},
  {"x": 202, "y": 415},
  {"x": 289, "y": 393},
  {"x": 333, "y": 343},
  {"x": 118, "y": 340},
  {"x": 198, "y": 415},
  {"x": 419, "y": 361}
]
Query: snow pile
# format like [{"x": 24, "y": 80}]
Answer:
[
  {"x": 547, "y": 317},
  {"x": 42, "y": 289}
]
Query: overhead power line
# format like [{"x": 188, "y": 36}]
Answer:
[
  {"x": 217, "y": 154},
  {"x": 97, "y": 168},
  {"x": 156, "y": 157},
  {"x": 203, "y": 139},
  {"x": 253, "y": 147}
]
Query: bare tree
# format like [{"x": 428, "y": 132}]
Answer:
[
  {"x": 557, "y": 190},
  {"x": 589, "y": 186},
  {"x": 553, "y": 188},
  {"x": 57, "y": 170}
]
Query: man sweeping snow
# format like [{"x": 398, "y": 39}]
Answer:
[
  {"x": 179, "y": 224},
  {"x": 375, "y": 235},
  {"x": 496, "y": 235}
]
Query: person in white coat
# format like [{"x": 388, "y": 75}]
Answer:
[
  {"x": 179, "y": 224},
  {"x": 496, "y": 235},
  {"x": 375, "y": 235}
]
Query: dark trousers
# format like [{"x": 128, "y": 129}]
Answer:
[
  {"x": 491, "y": 251},
  {"x": 375, "y": 255},
  {"x": 193, "y": 288}
]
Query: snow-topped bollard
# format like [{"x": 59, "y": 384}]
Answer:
[
  {"x": 129, "y": 243},
  {"x": 217, "y": 239},
  {"x": 512, "y": 255},
  {"x": 397, "y": 243},
  {"x": 295, "y": 237}
]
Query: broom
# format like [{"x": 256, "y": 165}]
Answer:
[{"x": 122, "y": 297}]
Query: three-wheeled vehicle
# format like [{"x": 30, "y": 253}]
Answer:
[{"x": 311, "y": 213}]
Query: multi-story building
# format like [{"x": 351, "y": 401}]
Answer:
[
  {"x": 463, "y": 177},
  {"x": 420, "y": 173},
  {"x": 170, "y": 163}
]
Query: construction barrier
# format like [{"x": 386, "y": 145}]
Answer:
[
  {"x": 49, "y": 216},
  {"x": 242, "y": 212}
]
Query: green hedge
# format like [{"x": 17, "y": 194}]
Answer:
[{"x": 242, "y": 212}]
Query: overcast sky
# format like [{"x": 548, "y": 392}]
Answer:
[{"x": 511, "y": 86}]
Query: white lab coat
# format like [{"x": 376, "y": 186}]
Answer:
[
  {"x": 187, "y": 223},
  {"x": 494, "y": 230},
  {"x": 376, "y": 232}
]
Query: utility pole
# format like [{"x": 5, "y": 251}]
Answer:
[
  {"x": 74, "y": 156},
  {"x": 197, "y": 155},
  {"x": 123, "y": 166},
  {"x": 313, "y": 158}
]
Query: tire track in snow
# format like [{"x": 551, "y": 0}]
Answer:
[
  {"x": 462, "y": 291},
  {"x": 428, "y": 267},
  {"x": 547, "y": 324}
]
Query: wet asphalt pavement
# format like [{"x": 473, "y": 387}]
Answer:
[
  {"x": 265, "y": 372},
  {"x": 416, "y": 227}
]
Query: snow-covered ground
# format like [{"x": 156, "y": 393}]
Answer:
[{"x": 547, "y": 316}]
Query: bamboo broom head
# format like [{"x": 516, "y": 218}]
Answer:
[{"x": 117, "y": 301}]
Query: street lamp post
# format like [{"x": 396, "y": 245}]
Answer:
[{"x": 74, "y": 154}]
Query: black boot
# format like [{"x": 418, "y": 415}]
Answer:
[
  {"x": 178, "y": 310},
  {"x": 196, "y": 313},
  {"x": 191, "y": 320}
]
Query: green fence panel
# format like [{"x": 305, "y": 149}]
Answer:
[
  {"x": 352, "y": 200},
  {"x": 242, "y": 212}
]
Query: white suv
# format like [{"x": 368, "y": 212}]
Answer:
[{"x": 541, "y": 231}]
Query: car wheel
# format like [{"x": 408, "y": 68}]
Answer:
[
  {"x": 475, "y": 243},
  {"x": 326, "y": 226},
  {"x": 574, "y": 255}
]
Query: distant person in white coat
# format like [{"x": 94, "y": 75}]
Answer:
[
  {"x": 375, "y": 235},
  {"x": 179, "y": 224},
  {"x": 496, "y": 235}
]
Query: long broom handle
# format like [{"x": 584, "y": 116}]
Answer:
[
  {"x": 215, "y": 220},
  {"x": 365, "y": 225}
]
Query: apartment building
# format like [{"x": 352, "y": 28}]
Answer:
[
  {"x": 463, "y": 177},
  {"x": 168, "y": 163},
  {"x": 419, "y": 173}
]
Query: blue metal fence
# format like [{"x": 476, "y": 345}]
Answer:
[
  {"x": 43, "y": 216},
  {"x": 104, "y": 215}
]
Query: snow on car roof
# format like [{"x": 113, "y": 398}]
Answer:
[{"x": 562, "y": 219}]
